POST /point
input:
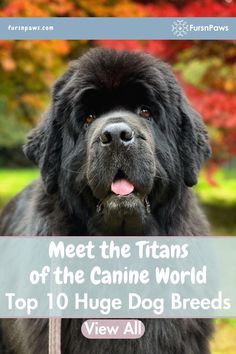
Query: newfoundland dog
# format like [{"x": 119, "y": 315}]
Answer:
[{"x": 118, "y": 150}]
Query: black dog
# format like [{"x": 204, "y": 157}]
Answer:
[{"x": 118, "y": 150}]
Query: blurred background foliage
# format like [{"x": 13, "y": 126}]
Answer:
[{"x": 205, "y": 69}]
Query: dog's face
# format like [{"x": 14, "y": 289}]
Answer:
[{"x": 119, "y": 134}]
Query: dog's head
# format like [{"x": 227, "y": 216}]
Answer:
[{"x": 121, "y": 130}]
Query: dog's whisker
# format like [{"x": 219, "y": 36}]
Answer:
[
  {"x": 166, "y": 179},
  {"x": 69, "y": 170}
]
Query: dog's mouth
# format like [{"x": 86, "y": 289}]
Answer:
[
  {"x": 121, "y": 186},
  {"x": 123, "y": 189}
]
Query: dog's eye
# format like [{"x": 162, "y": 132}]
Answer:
[
  {"x": 90, "y": 118},
  {"x": 144, "y": 112}
]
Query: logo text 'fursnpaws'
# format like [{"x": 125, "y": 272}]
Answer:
[{"x": 180, "y": 28}]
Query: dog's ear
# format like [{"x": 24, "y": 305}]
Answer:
[
  {"x": 44, "y": 143},
  {"x": 44, "y": 150},
  {"x": 193, "y": 144}
]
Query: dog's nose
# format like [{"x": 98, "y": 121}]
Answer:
[{"x": 118, "y": 133}]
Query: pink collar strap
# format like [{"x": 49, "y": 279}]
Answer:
[{"x": 54, "y": 342}]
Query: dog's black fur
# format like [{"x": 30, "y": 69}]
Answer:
[{"x": 160, "y": 147}]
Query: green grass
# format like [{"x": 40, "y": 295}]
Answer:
[
  {"x": 223, "y": 193},
  {"x": 219, "y": 201},
  {"x": 224, "y": 340},
  {"x": 14, "y": 180},
  {"x": 229, "y": 321}
]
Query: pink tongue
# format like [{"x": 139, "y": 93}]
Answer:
[{"x": 122, "y": 187}]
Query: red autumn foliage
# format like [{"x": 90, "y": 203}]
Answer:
[
  {"x": 121, "y": 8},
  {"x": 197, "y": 8}
]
